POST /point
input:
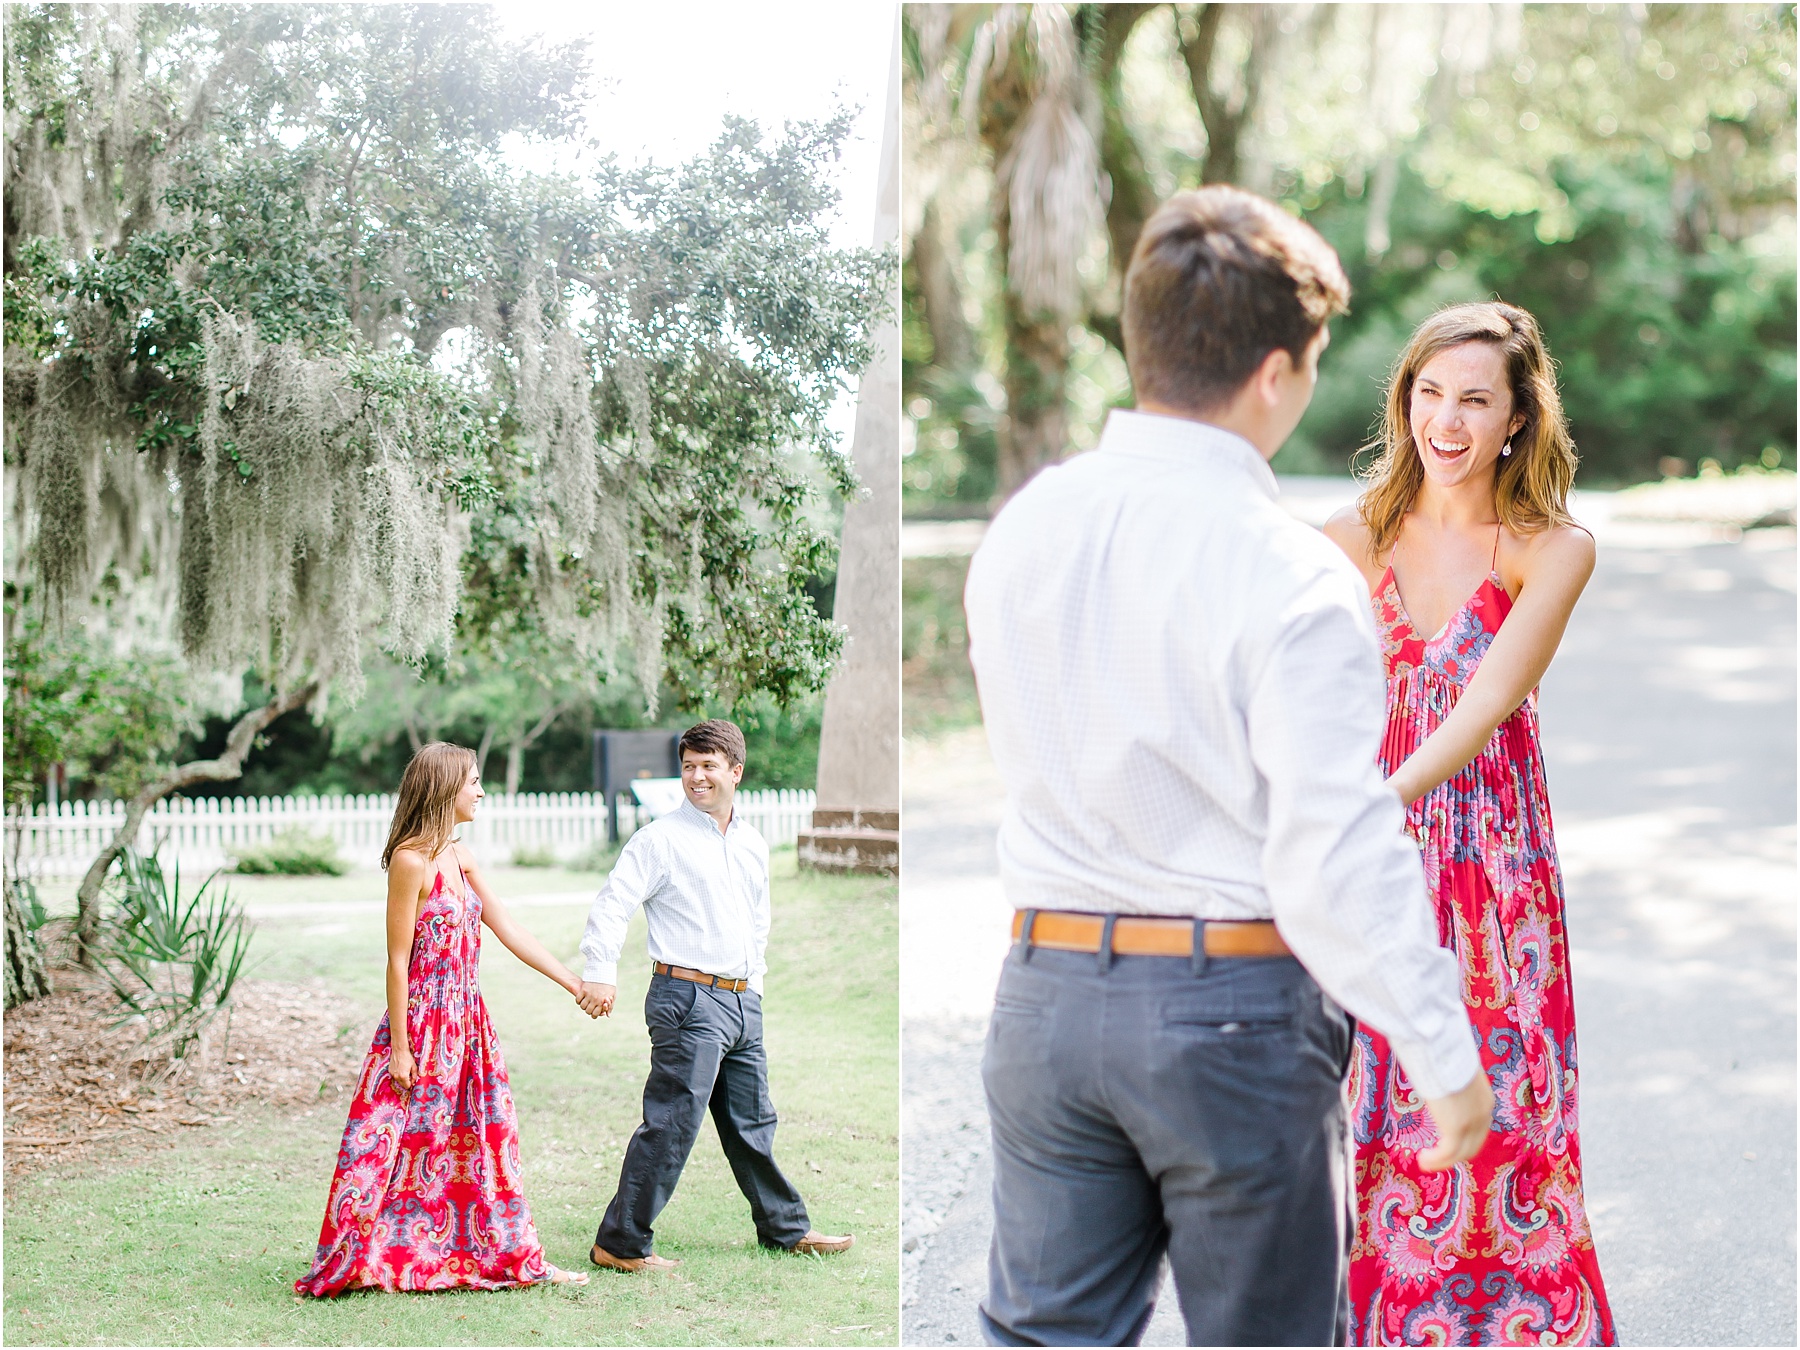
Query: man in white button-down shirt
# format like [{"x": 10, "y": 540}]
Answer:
[
  {"x": 1183, "y": 695},
  {"x": 702, "y": 876}
]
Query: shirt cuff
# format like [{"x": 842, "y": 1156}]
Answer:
[
  {"x": 1445, "y": 1064},
  {"x": 602, "y": 972},
  {"x": 756, "y": 985}
]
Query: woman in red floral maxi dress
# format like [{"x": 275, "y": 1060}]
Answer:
[
  {"x": 1498, "y": 1250},
  {"x": 427, "y": 1189}
]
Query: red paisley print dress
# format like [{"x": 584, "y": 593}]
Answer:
[
  {"x": 1496, "y": 1251},
  {"x": 426, "y": 1193}
]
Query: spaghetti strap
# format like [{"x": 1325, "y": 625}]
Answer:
[
  {"x": 1494, "y": 562},
  {"x": 462, "y": 877}
]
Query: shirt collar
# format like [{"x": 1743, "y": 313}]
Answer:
[
  {"x": 701, "y": 818},
  {"x": 1182, "y": 441}
]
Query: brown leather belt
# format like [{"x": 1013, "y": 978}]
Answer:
[
  {"x": 699, "y": 977},
  {"x": 1138, "y": 935}
]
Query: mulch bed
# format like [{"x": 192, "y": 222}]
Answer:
[{"x": 78, "y": 1086}]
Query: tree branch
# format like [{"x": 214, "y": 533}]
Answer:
[
  {"x": 481, "y": 751},
  {"x": 227, "y": 766},
  {"x": 1224, "y": 124},
  {"x": 543, "y": 724}
]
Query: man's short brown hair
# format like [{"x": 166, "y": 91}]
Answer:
[
  {"x": 713, "y": 736},
  {"x": 1219, "y": 279}
]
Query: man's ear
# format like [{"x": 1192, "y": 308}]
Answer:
[{"x": 1267, "y": 380}]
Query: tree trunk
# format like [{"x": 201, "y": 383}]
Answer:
[
  {"x": 1034, "y": 431},
  {"x": 26, "y": 977},
  {"x": 227, "y": 766},
  {"x": 1133, "y": 198},
  {"x": 952, "y": 349},
  {"x": 1224, "y": 116},
  {"x": 515, "y": 750},
  {"x": 1377, "y": 237}
]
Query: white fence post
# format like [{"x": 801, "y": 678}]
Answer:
[{"x": 202, "y": 833}]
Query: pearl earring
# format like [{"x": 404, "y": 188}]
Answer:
[{"x": 1506, "y": 449}]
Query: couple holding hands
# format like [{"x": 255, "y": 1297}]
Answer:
[
  {"x": 427, "y": 1193},
  {"x": 1225, "y": 940}
]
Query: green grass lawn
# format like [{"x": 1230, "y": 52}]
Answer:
[{"x": 201, "y": 1243}]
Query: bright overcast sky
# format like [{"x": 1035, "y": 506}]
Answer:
[{"x": 665, "y": 76}]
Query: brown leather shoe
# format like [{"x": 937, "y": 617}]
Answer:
[
  {"x": 824, "y": 1246},
  {"x": 630, "y": 1264}
]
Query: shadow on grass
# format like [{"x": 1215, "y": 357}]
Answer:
[{"x": 199, "y": 1241}]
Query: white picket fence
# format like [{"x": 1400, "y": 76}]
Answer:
[{"x": 201, "y": 833}]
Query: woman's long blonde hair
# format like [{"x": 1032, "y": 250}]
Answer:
[
  {"x": 1531, "y": 485},
  {"x": 425, "y": 815}
]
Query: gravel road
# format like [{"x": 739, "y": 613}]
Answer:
[{"x": 1669, "y": 733}]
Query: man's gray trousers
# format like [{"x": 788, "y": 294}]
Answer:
[
  {"x": 1144, "y": 1105},
  {"x": 705, "y": 1050}
]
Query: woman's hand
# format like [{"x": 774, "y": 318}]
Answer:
[
  {"x": 402, "y": 1070},
  {"x": 596, "y": 999}
]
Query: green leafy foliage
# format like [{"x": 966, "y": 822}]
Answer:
[
  {"x": 293, "y": 852},
  {"x": 172, "y": 959},
  {"x": 1624, "y": 172},
  {"x": 598, "y": 856},
  {"x": 1662, "y": 353},
  {"x": 83, "y": 697},
  {"x": 386, "y": 390},
  {"x": 31, "y": 904},
  {"x": 534, "y": 855}
]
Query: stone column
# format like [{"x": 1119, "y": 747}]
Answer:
[{"x": 857, "y": 824}]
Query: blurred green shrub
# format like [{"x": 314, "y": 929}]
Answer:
[
  {"x": 1663, "y": 351},
  {"x": 598, "y": 856},
  {"x": 534, "y": 855},
  {"x": 295, "y": 853}
]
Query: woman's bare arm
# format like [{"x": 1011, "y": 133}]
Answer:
[
  {"x": 406, "y": 883},
  {"x": 517, "y": 939},
  {"x": 1554, "y": 572}
]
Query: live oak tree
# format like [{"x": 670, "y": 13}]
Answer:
[{"x": 288, "y": 336}]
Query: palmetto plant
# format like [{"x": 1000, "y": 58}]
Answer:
[{"x": 172, "y": 959}]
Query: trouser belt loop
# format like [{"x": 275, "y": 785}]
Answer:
[
  {"x": 1199, "y": 948},
  {"x": 1106, "y": 934},
  {"x": 1025, "y": 934}
]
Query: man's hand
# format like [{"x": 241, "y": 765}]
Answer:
[
  {"x": 596, "y": 1000},
  {"x": 1463, "y": 1120}
]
